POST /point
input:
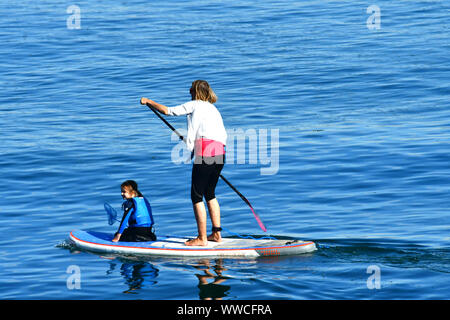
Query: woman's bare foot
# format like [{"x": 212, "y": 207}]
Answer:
[
  {"x": 196, "y": 242},
  {"x": 215, "y": 236}
]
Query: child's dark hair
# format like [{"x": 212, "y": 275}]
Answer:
[{"x": 133, "y": 185}]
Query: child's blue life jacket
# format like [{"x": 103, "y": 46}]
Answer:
[{"x": 137, "y": 213}]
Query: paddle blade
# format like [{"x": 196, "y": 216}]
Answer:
[
  {"x": 111, "y": 212},
  {"x": 258, "y": 219}
]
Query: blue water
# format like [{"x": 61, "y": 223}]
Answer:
[{"x": 362, "y": 116}]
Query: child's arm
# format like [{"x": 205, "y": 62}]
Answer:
[
  {"x": 160, "y": 107},
  {"x": 123, "y": 223}
]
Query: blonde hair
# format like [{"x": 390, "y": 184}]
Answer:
[{"x": 201, "y": 90}]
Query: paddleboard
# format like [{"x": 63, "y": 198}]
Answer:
[{"x": 174, "y": 246}]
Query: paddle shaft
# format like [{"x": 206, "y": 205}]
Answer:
[{"x": 258, "y": 219}]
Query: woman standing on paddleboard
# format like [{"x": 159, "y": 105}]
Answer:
[{"x": 206, "y": 137}]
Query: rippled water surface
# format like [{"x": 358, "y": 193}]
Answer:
[{"x": 359, "y": 119}]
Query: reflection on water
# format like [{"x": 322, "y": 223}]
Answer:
[
  {"x": 137, "y": 274},
  {"x": 210, "y": 279}
]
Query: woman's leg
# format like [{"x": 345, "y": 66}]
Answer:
[
  {"x": 211, "y": 200},
  {"x": 197, "y": 191},
  {"x": 204, "y": 181},
  {"x": 200, "y": 217},
  {"x": 214, "y": 213}
]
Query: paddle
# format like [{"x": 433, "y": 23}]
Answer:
[{"x": 258, "y": 219}]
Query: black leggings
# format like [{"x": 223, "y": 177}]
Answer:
[
  {"x": 137, "y": 234},
  {"x": 205, "y": 174}
]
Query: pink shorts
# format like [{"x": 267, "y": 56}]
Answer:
[{"x": 208, "y": 148}]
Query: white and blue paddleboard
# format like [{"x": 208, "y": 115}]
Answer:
[{"x": 174, "y": 246}]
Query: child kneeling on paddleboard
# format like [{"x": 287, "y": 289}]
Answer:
[{"x": 137, "y": 220}]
